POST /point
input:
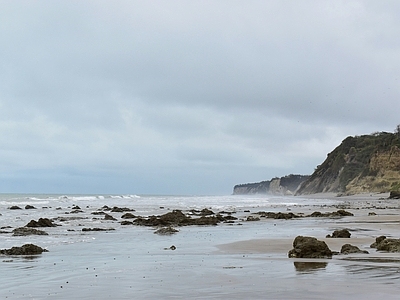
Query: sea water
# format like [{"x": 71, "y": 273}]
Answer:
[{"x": 133, "y": 262}]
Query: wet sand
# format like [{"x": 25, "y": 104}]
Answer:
[
  {"x": 245, "y": 260},
  {"x": 354, "y": 276}
]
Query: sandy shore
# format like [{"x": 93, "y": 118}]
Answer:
[{"x": 374, "y": 215}]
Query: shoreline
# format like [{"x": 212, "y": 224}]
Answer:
[{"x": 370, "y": 220}]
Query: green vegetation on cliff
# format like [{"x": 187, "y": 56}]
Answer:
[{"x": 367, "y": 163}]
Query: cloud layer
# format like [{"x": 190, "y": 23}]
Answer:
[{"x": 188, "y": 96}]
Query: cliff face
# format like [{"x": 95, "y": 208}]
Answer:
[
  {"x": 368, "y": 163},
  {"x": 278, "y": 186}
]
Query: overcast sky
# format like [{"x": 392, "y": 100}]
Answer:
[{"x": 188, "y": 97}]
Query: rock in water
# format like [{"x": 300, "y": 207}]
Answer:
[
  {"x": 27, "y": 249},
  {"x": 343, "y": 233},
  {"x": 348, "y": 249},
  {"x": 388, "y": 245},
  {"x": 309, "y": 247},
  {"x": 42, "y": 222},
  {"x": 166, "y": 231},
  {"x": 23, "y": 231}
]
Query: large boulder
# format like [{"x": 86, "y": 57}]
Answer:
[
  {"x": 27, "y": 249},
  {"x": 309, "y": 247},
  {"x": 384, "y": 244}
]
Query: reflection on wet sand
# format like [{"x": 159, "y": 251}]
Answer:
[{"x": 309, "y": 266}]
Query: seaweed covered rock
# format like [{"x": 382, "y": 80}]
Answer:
[
  {"x": 27, "y": 249},
  {"x": 278, "y": 215},
  {"x": 166, "y": 231},
  {"x": 384, "y": 244},
  {"x": 348, "y": 249},
  {"x": 42, "y": 222},
  {"x": 343, "y": 233},
  {"x": 309, "y": 247},
  {"x": 24, "y": 231},
  {"x": 335, "y": 214},
  {"x": 176, "y": 218}
]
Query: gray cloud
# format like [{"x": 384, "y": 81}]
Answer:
[{"x": 157, "y": 97}]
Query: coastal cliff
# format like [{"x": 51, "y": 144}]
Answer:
[
  {"x": 367, "y": 163},
  {"x": 286, "y": 185},
  {"x": 360, "y": 164}
]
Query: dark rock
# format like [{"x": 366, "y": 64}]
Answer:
[
  {"x": 105, "y": 207},
  {"x": 109, "y": 217},
  {"x": 229, "y": 218},
  {"x": 97, "y": 229},
  {"x": 384, "y": 244},
  {"x": 252, "y": 218},
  {"x": 170, "y": 248},
  {"x": 128, "y": 216},
  {"x": 76, "y": 207},
  {"x": 394, "y": 195},
  {"x": 98, "y": 213},
  {"x": 348, "y": 249},
  {"x": 29, "y": 207},
  {"x": 121, "y": 209},
  {"x": 166, "y": 231},
  {"x": 343, "y": 233},
  {"x": 372, "y": 214},
  {"x": 335, "y": 214},
  {"x": 14, "y": 207},
  {"x": 127, "y": 223},
  {"x": 279, "y": 215},
  {"x": 42, "y": 222},
  {"x": 378, "y": 240},
  {"x": 309, "y": 247},
  {"x": 204, "y": 221},
  {"x": 23, "y": 231},
  {"x": 76, "y": 211},
  {"x": 176, "y": 218},
  {"x": 27, "y": 249}
]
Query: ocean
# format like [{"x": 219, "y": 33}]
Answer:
[{"x": 240, "y": 260}]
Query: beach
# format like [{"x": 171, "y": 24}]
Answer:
[{"x": 235, "y": 260}]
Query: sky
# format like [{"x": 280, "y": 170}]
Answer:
[{"x": 188, "y": 97}]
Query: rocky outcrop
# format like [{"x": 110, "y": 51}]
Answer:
[
  {"x": 42, "y": 222},
  {"x": 384, "y": 244},
  {"x": 178, "y": 218},
  {"x": 27, "y": 249},
  {"x": 286, "y": 185},
  {"x": 24, "y": 231},
  {"x": 350, "y": 249},
  {"x": 166, "y": 231},
  {"x": 309, "y": 247},
  {"x": 342, "y": 234},
  {"x": 367, "y": 163}
]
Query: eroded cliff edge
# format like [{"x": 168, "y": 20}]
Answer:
[
  {"x": 367, "y": 163},
  {"x": 286, "y": 185},
  {"x": 360, "y": 164}
]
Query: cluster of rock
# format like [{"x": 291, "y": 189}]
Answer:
[
  {"x": 316, "y": 214},
  {"x": 310, "y": 247}
]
